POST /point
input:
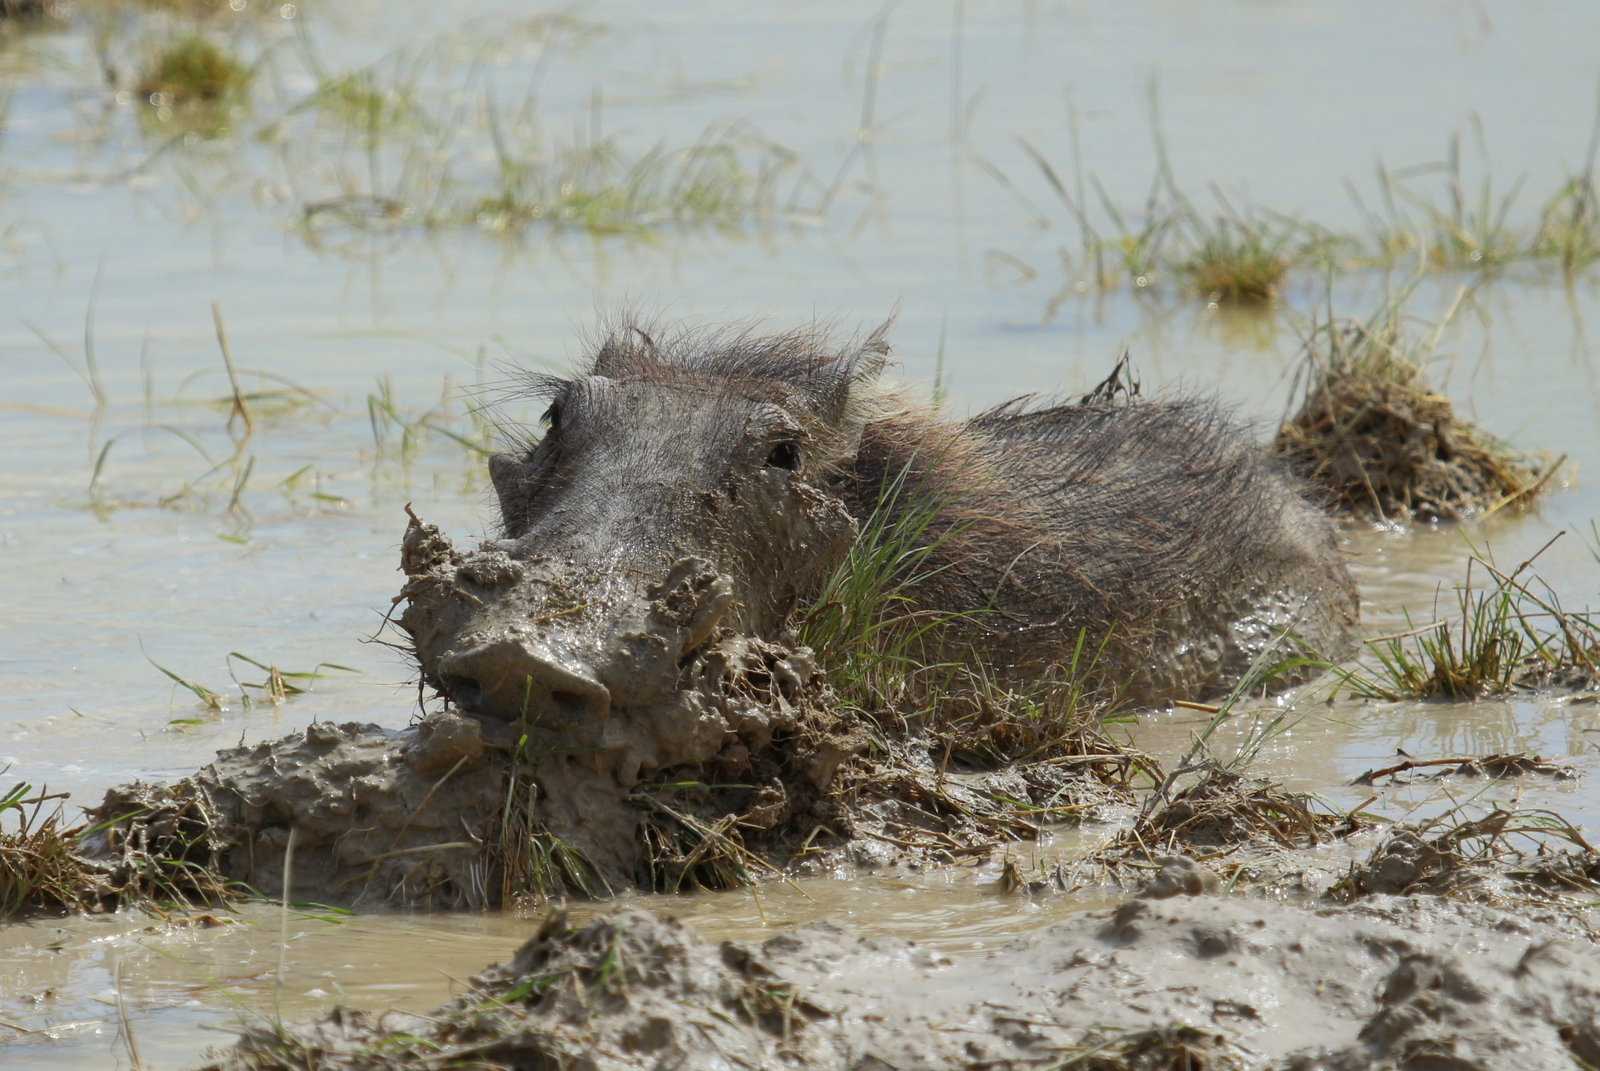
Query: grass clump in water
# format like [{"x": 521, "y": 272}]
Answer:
[
  {"x": 1569, "y": 226},
  {"x": 1508, "y": 636},
  {"x": 1224, "y": 815},
  {"x": 723, "y": 178},
  {"x": 1505, "y": 857},
  {"x": 1239, "y": 261},
  {"x": 38, "y": 868},
  {"x": 1372, "y": 432},
  {"x": 193, "y": 70}
]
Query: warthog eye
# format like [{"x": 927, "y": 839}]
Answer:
[
  {"x": 785, "y": 456},
  {"x": 552, "y": 417}
]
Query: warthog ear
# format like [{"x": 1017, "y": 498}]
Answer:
[
  {"x": 849, "y": 382},
  {"x": 628, "y": 349},
  {"x": 511, "y": 487}
]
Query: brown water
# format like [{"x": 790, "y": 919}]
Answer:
[{"x": 286, "y": 554}]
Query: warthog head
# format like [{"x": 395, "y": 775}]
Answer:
[{"x": 657, "y": 539}]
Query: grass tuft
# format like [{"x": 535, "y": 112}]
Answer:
[
  {"x": 532, "y": 863},
  {"x": 1384, "y": 445},
  {"x": 1508, "y": 635},
  {"x": 193, "y": 70},
  {"x": 893, "y": 661},
  {"x": 864, "y": 622},
  {"x": 1239, "y": 261},
  {"x": 38, "y": 870}
]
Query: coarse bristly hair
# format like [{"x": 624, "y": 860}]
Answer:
[{"x": 837, "y": 380}]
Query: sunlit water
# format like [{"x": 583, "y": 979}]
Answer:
[{"x": 150, "y": 530}]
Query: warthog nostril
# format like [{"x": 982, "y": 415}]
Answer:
[
  {"x": 466, "y": 692},
  {"x": 570, "y": 705},
  {"x": 504, "y": 679}
]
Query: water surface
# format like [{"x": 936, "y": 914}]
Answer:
[{"x": 142, "y": 528}]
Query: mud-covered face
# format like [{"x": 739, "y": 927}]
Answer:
[{"x": 657, "y": 512}]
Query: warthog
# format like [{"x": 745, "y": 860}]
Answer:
[{"x": 693, "y": 489}]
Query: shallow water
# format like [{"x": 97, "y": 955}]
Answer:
[{"x": 286, "y": 553}]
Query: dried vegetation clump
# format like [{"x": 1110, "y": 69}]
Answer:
[
  {"x": 1224, "y": 816},
  {"x": 1506, "y": 857},
  {"x": 48, "y": 867},
  {"x": 1382, "y": 443},
  {"x": 38, "y": 870}
]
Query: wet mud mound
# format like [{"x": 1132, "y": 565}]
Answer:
[
  {"x": 1183, "y": 982},
  {"x": 370, "y": 816},
  {"x": 450, "y": 813},
  {"x": 1533, "y": 861},
  {"x": 1384, "y": 446},
  {"x": 1250, "y": 827}
]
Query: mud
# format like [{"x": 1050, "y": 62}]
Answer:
[
  {"x": 1160, "y": 982},
  {"x": 371, "y": 816},
  {"x": 450, "y": 813}
]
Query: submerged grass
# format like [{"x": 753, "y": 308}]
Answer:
[
  {"x": 728, "y": 175},
  {"x": 400, "y": 153}
]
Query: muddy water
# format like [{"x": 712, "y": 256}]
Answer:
[{"x": 144, "y": 529}]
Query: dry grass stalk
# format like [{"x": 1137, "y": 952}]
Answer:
[{"x": 1493, "y": 766}]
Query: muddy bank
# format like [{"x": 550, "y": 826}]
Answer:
[
  {"x": 450, "y": 813},
  {"x": 1463, "y": 942},
  {"x": 370, "y": 815},
  {"x": 1388, "y": 982}
]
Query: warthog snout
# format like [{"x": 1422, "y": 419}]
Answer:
[{"x": 505, "y": 679}]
